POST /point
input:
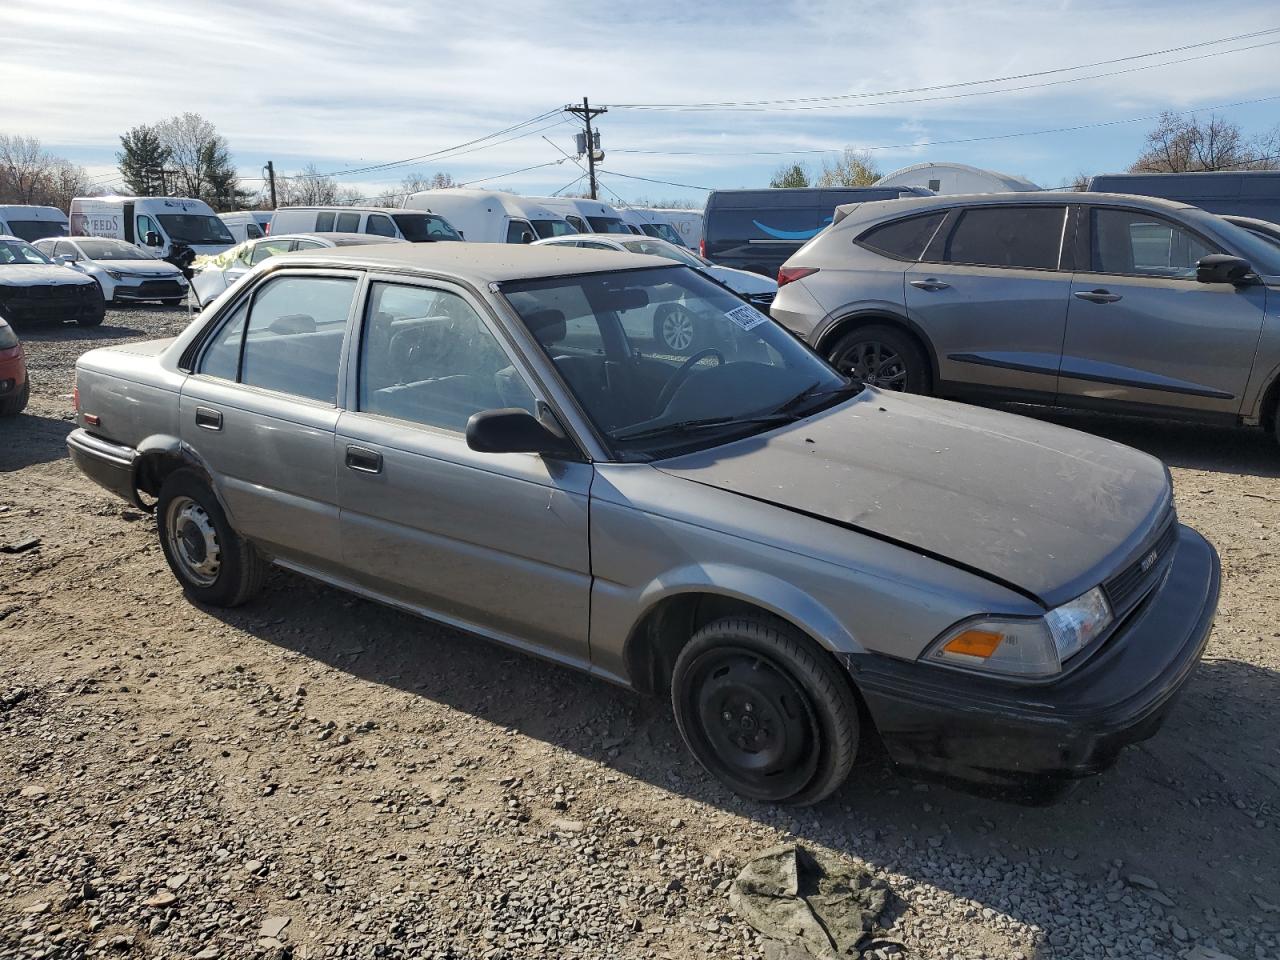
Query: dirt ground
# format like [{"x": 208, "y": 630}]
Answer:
[{"x": 314, "y": 775}]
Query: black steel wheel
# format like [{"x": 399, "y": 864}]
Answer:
[
  {"x": 764, "y": 710},
  {"x": 883, "y": 357},
  {"x": 214, "y": 564}
]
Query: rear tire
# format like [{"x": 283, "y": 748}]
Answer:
[
  {"x": 214, "y": 564},
  {"x": 765, "y": 710},
  {"x": 12, "y": 406},
  {"x": 883, "y": 356}
]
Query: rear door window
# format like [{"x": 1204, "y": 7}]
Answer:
[
  {"x": 903, "y": 239},
  {"x": 348, "y": 223},
  {"x": 324, "y": 223},
  {"x": 1029, "y": 237}
]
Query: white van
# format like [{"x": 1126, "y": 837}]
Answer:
[
  {"x": 165, "y": 227},
  {"x": 32, "y": 223},
  {"x": 687, "y": 223},
  {"x": 586, "y": 216},
  {"x": 650, "y": 223},
  {"x": 412, "y": 225},
  {"x": 491, "y": 216},
  {"x": 247, "y": 224}
]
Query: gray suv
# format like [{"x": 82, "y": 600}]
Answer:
[{"x": 1128, "y": 304}]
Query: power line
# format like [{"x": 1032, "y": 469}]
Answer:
[
  {"x": 512, "y": 173},
  {"x": 577, "y": 179},
  {"x": 831, "y": 100},
  {"x": 667, "y": 183},
  {"x": 952, "y": 142}
]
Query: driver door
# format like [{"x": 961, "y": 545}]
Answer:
[{"x": 496, "y": 543}]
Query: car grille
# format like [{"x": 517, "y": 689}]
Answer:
[
  {"x": 153, "y": 290},
  {"x": 1131, "y": 584},
  {"x": 68, "y": 293}
]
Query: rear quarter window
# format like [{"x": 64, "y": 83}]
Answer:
[
  {"x": 1027, "y": 237},
  {"x": 903, "y": 239}
]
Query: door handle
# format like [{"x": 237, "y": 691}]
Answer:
[
  {"x": 1097, "y": 296},
  {"x": 364, "y": 460},
  {"x": 208, "y": 419},
  {"x": 930, "y": 284}
]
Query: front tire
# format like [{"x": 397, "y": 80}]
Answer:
[
  {"x": 214, "y": 564},
  {"x": 174, "y": 301},
  {"x": 765, "y": 710},
  {"x": 882, "y": 356}
]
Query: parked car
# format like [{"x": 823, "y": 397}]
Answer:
[
  {"x": 650, "y": 223},
  {"x": 412, "y": 225},
  {"x": 586, "y": 216},
  {"x": 34, "y": 288},
  {"x": 123, "y": 271},
  {"x": 247, "y": 224},
  {"x": 1263, "y": 228},
  {"x": 757, "y": 230},
  {"x": 1121, "y": 303},
  {"x": 32, "y": 223},
  {"x": 217, "y": 274},
  {"x": 1246, "y": 193},
  {"x": 677, "y": 325},
  {"x": 491, "y": 216},
  {"x": 468, "y": 432},
  {"x": 15, "y": 388},
  {"x": 177, "y": 229}
]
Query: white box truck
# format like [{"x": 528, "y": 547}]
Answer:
[
  {"x": 177, "y": 229},
  {"x": 32, "y": 223},
  {"x": 491, "y": 216},
  {"x": 650, "y": 223},
  {"x": 586, "y": 216}
]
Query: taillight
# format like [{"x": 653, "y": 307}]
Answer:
[
  {"x": 75, "y": 398},
  {"x": 702, "y": 248},
  {"x": 787, "y": 274}
]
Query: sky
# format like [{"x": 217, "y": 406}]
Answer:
[{"x": 351, "y": 85}]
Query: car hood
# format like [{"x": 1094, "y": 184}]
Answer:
[
  {"x": 742, "y": 281},
  {"x": 1049, "y": 511},
  {"x": 39, "y": 275},
  {"x": 150, "y": 268}
]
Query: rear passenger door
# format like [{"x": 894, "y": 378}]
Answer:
[
  {"x": 261, "y": 406},
  {"x": 991, "y": 295},
  {"x": 1142, "y": 332},
  {"x": 491, "y": 542}
]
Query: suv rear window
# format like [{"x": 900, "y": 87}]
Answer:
[
  {"x": 904, "y": 239},
  {"x": 1008, "y": 237}
]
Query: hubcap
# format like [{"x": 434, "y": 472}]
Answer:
[
  {"x": 873, "y": 363},
  {"x": 193, "y": 541},
  {"x": 756, "y": 723},
  {"x": 677, "y": 329}
]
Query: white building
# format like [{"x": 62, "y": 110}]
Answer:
[{"x": 954, "y": 178}]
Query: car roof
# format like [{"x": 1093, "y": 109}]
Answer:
[
  {"x": 568, "y": 237},
  {"x": 334, "y": 236},
  {"x": 874, "y": 209},
  {"x": 478, "y": 263}
]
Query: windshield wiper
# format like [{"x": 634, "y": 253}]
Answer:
[
  {"x": 703, "y": 423},
  {"x": 812, "y": 393}
]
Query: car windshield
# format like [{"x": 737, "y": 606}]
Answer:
[
  {"x": 420, "y": 227},
  {"x": 1262, "y": 254},
  {"x": 660, "y": 248},
  {"x": 608, "y": 225},
  {"x": 663, "y": 360},
  {"x": 195, "y": 228},
  {"x": 552, "y": 228},
  {"x": 19, "y": 252},
  {"x": 112, "y": 250},
  {"x": 37, "y": 229}
]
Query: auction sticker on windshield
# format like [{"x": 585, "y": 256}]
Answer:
[{"x": 746, "y": 316}]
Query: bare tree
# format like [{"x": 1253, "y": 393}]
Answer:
[
  {"x": 311, "y": 188},
  {"x": 853, "y": 168},
  {"x": 200, "y": 158},
  {"x": 30, "y": 174},
  {"x": 1184, "y": 143},
  {"x": 417, "y": 182}
]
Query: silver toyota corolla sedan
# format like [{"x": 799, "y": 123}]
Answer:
[
  {"x": 1128, "y": 304},
  {"x": 491, "y": 437}
]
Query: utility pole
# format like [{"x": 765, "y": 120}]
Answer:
[
  {"x": 271, "y": 180},
  {"x": 587, "y": 113}
]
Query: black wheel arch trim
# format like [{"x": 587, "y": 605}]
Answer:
[{"x": 832, "y": 330}]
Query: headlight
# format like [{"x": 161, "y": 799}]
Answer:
[
  {"x": 1017, "y": 647},
  {"x": 116, "y": 274}
]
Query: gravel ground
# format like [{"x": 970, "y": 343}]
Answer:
[{"x": 316, "y": 776}]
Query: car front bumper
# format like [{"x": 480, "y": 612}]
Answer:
[
  {"x": 109, "y": 465},
  {"x": 154, "y": 289},
  {"x": 53, "y": 303},
  {"x": 1034, "y": 740}
]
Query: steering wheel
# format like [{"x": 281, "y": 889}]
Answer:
[
  {"x": 682, "y": 374},
  {"x": 403, "y": 349}
]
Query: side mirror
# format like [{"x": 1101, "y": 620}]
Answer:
[
  {"x": 65, "y": 258},
  {"x": 1223, "y": 268},
  {"x": 152, "y": 239},
  {"x": 513, "y": 430}
]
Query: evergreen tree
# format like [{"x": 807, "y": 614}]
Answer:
[{"x": 141, "y": 160}]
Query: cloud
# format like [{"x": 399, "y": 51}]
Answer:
[{"x": 346, "y": 85}]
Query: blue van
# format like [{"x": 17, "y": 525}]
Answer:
[
  {"x": 759, "y": 230},
  {"x": 1253, "y": 193}
]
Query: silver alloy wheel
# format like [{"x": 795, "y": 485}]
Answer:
[
  {"x": 871, "y": 362},
  {"x": 193, "y": 541},
  {"x": 677, "y": 329}
]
